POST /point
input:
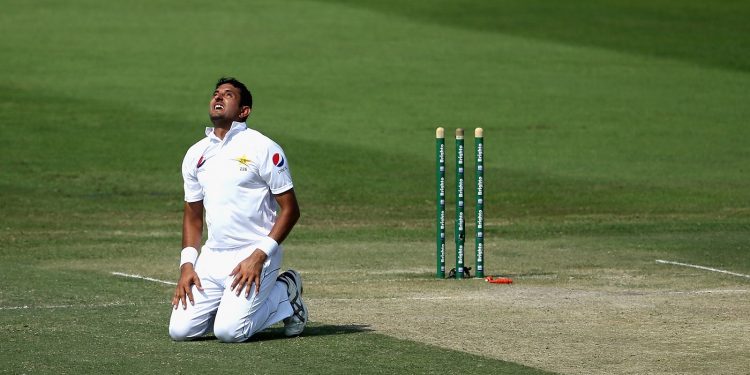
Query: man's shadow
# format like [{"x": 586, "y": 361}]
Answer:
[{"x": 277, "y": 333}]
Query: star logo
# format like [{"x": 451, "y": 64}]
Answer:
[{"x": 243, "y": 160}]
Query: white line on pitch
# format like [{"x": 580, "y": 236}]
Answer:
[
  {"x": 710, "y": 291},
  {"x": 143, "y": 278},
  {"x": 702, "y": 268},
  {"x": 26, "y": 307}
]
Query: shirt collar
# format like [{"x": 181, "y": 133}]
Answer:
[{"x": 236, "y": 127}]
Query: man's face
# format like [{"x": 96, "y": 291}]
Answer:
[{"x": 225, "y": 104}]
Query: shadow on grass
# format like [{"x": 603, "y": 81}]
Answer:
[
  {"x": 276, "y": 333},
  {"x": 312, "y": 331},
  {"x": 631, "y": 26}
]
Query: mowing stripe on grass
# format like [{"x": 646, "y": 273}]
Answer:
[
  {"x": 702, "y": 268},
  {"x": 143, "y": 278}
]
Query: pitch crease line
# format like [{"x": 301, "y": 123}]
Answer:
[
  {"x": 27, "y": 307},
  {"x": 143, "y": 278},
  {"x": 702, "y": 268}
]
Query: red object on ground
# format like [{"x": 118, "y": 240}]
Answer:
[{"x": 498, "y": 280}]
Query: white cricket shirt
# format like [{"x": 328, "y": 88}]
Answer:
[{"x": 236, "y": 179}]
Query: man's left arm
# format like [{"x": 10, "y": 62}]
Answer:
[
  {"x": 288, "y": 216},
  {"x": 249, "y": 270}
]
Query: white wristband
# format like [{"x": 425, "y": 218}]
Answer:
[
  {"x": 267, "y": 245},
  {"x": 188, "y": 255}
]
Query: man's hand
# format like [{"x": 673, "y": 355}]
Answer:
[
  {"x": 248, "y": 272},
  {"x": 184, "y": 290}
]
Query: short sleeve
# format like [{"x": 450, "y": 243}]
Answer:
[
  {"x": 275, "y": 170},
  {"x": 193, "y": 189}
]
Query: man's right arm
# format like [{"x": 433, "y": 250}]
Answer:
[
  {"x": 192, "y": 234},
  {"x": 192, "y": 224}
]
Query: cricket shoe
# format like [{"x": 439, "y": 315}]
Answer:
[{"x": 295, "y": 324}]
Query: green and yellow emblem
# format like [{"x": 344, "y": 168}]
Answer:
[{"x": 243, "y": 160}]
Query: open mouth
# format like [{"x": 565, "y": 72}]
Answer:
[{"x": 218, "y": 106}]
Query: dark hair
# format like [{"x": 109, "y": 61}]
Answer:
[{"x": 246, "y": 98}]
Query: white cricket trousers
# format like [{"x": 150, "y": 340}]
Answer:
[{"x": 217, "y": 308}]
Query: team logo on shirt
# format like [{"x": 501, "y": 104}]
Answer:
[
  {"x": 244, "y": 161},
  {"x": 278, "y": 160},
  {"x": 201, "y": 161}
]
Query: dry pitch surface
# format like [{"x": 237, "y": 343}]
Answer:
[
  {"x": 595, "y": 312},
  {"x": 663, "y": 319}
]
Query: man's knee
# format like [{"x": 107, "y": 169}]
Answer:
[
  {"x": 180, "y": 332},
  {"x": 183, "y": 328},
  {"x": 229, "y": 332}
]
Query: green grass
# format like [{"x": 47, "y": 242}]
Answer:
[
  {"x": 615, "y": 134},
  {"x": 695, "y": 31},
  {"x": 134, "y": 341}
]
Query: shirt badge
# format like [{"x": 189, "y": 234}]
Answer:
[
  {"x": 244, "y": 161},
  {"x": 278, "y": 160}
]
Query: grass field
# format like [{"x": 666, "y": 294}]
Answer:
[{"x": 615, "y": 136}]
